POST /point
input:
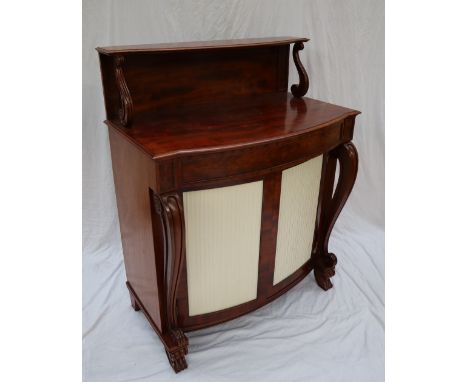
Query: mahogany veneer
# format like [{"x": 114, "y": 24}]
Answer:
[{"x": 206, "y": 115}]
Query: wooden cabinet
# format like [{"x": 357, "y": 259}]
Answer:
[{"x": 224, "y": 179}]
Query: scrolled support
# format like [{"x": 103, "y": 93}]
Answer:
[
  {"x": 169, "y": 207},
  {"x": 126, "y": 103},
  {"x": 299, "y": 90},
  {"x": 330, "y": 205}
]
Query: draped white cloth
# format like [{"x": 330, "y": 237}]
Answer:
[{"x": 307, "y": 334}]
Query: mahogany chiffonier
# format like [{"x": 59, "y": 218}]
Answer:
[{"x": 224, "y": 179}]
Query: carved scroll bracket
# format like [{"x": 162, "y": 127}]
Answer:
[
  {"x": 299, "y": 90},
  {"x": 126, "y": 103},
  {"x": 169, "y": 207},
  {"x": 330, "y": 205}
]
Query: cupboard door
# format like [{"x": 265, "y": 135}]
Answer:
[
  {"x": 300, "y": 186},
  {"x": 222, "y": 228}
]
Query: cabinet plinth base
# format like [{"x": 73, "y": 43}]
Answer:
[{"x": 134, "y": 303}]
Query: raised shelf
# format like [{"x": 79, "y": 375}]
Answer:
[{"x": 200, "y": 45}]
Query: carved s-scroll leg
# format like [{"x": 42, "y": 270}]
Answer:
[
  {"x": 330, "y": 206},
  {"x": 170, "y": 207},
  {"x": 299, "y": 90}
]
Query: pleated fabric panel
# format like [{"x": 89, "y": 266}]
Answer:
[
  {"x": 222, "y": 246},
  {"x": 300, "y": 187}
]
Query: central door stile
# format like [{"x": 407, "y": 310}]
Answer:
[{"x": 268, "y": 233}]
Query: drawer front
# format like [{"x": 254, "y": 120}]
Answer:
[{"x": 203, "y": 168}]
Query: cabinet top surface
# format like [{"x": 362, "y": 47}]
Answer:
[
  {"x": 200, "y": 45},
  {"x": 218, "y": 126}
]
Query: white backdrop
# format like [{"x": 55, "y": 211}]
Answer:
[{"x": 307, "y": 334}]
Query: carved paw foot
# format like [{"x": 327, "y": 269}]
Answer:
[
  {"x": 177, "y": 359},
  {"x": 324, "y": 269},
  {"x": 176, "y": 356},
  {"x": 181, "y": 339}
]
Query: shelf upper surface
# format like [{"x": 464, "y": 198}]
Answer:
[
  {"x": 200, "y": 45},
  {"x": 244, "y": 122}
]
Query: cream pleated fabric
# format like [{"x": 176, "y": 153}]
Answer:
[
  {"x": 298, "y": 208},
  {"x": 222, "y": 246}
]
